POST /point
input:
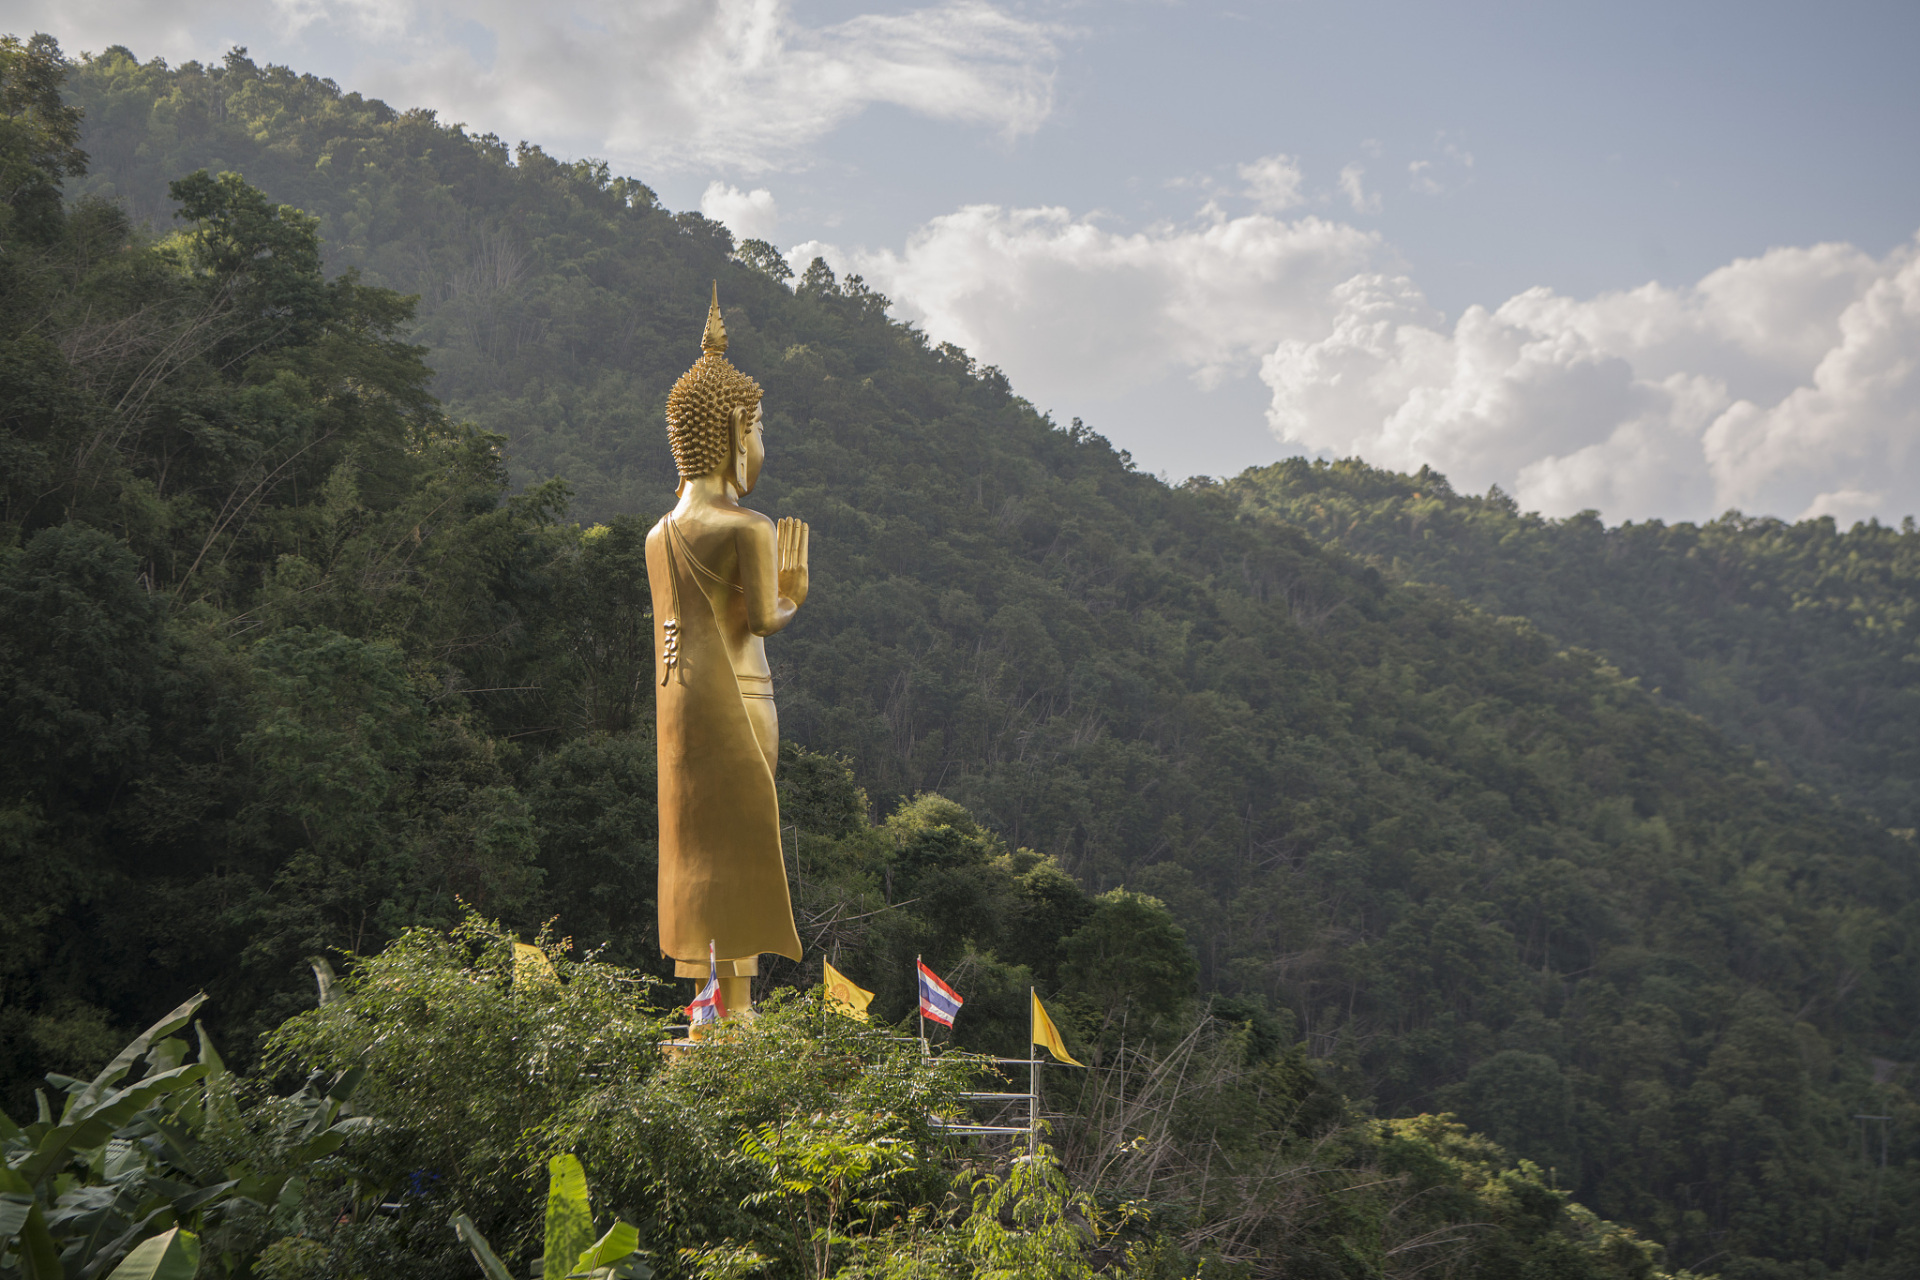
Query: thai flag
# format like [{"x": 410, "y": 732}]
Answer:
[
  {"x": 938, "y": 1001},
  {"x": 708, "y": 1005}
]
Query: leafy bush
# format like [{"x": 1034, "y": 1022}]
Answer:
[
  {"x": 115, "y": 1180},
  {"x": 490, "y": 1074}
]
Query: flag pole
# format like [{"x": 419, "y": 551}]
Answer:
[
  {"x": 921, "y": 1007},
  {"x": 1033, "y": 1076}
]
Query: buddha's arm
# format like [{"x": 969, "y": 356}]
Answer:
[{"x": 773, "y": 571}]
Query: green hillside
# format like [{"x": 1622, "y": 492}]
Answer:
[
  {"x": 304, "y": 643},
  {"x": 1801, "y": 641}
]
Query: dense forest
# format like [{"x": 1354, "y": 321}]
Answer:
[
  {"x": 1800, "y": 641},
  {"x": 331, "y": 433}
]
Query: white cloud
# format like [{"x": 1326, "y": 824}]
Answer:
[
  {"x": 1451, "y": 169},
  {"x": 1787, "y": 384},
  {"x": 1355, "y": 190},
  {"x": 1068, "y": 307},
  {"x": 1846, "y": 506},
  {"x": 1274, "y": 183},
  {"x": 750, "y": 215},
  {"x": 736, "y": 83}
]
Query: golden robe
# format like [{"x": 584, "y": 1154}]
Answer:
[{"x": 722, "y": 876}]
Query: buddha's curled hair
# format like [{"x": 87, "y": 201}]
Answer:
[{"x": 701, "y": 404}]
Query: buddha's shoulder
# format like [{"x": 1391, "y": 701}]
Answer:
[
  {"x": 709, "y": 520},
  {"x": 742, "y": 518}
]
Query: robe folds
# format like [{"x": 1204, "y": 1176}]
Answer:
[{"x": 722, "y": 876}]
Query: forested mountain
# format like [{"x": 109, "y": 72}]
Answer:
[
  {"x": 1799, "y": 640},
  {"x": 304, "y": 642}
]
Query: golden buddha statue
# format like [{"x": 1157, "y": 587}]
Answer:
[{"x": 723, "y": 579}]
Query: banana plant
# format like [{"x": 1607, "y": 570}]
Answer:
[
  {"x": 84, "y": 1194},
  {"x": 571, "y": 1252},
  {"x": 172, "y": 1255}
]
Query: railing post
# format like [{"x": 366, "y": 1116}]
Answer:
[{"x": 1033, "y": 1081}]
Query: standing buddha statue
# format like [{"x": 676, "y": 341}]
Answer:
[{"x": 723, "y": 579}]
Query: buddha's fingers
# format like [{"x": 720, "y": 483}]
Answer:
[{"x": 806, "y": 540}]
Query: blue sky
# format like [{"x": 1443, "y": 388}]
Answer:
[
  {"x": 1659, "y": 260},
  {"x": 1611, "y": 144}
]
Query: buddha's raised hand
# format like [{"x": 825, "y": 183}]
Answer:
[{"x": 792, "y": 536}]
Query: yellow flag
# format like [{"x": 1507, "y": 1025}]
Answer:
[
  {"x": 1045, "y": 1033},
  {"x": 844, "y": 995},
  {"x": 531, "y": 966}
]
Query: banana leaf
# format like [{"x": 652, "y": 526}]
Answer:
[
  {"x": 172, "y": 1255},
  {"x": 569, "y": 1215},
  {"x": 482, "y": 1252},
  {"x": 615, "y": 1247}
]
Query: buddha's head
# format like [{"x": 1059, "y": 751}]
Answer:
[{"x": 713, "y": 414}]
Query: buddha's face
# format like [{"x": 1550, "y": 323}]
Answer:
[{"x": 749, "y": 450}]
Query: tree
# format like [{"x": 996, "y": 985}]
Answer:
[
  {"x": 1130, "y": 957},
  {"x": 1524, "y": 1102},
  {"x": 764, "y": 258},
  {"x": 39, "y": 135}
]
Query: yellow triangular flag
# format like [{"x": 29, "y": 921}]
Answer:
[
  {"x": 1045, "y": 1033},
  {"x": 843, "y": 995},
  {"x": 531, "y": 966}
]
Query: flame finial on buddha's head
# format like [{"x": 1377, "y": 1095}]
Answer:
[{"x": 714, "y": 341}]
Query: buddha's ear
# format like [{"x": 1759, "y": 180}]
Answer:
[{"x": 737, "y": 449}]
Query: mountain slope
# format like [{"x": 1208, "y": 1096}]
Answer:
[{"x": 1801, "y": 640}]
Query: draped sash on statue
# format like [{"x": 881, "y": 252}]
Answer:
[{"x": 722, "y": 877}]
